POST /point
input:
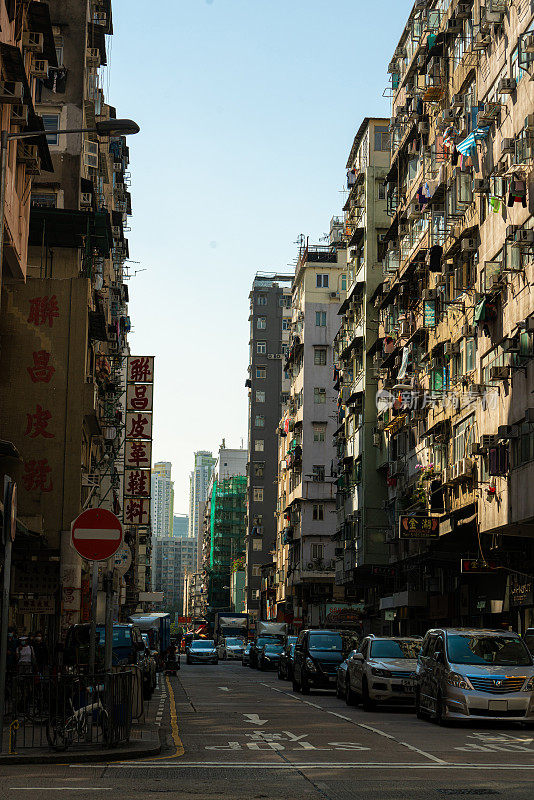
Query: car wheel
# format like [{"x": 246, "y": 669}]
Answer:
[
  {"x": 304, "y": 686},
  {"x": 351, "y": 698},
  {"x": 367, "y": 703},
  {"x": 439, "y": 718},
  {"x": 339, "y": 690},
  {"x": 280, "y": 676},
  {"x": 419, "y": 713}
]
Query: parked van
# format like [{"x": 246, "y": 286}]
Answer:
[{"x": 474, "y": 674}]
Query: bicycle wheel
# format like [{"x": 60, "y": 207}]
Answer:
[
  {"x": 58, "y": 735},
  {"x": 105, "y": 726}
]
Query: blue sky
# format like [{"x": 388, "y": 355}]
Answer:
[{"x": 247, "y": 109}]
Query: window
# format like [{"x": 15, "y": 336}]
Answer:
[
  {"x": 261, "y": 372},
  {"x": 51, "y": 123},
  {"x": 318, "y": 472},
  {"x": 259, "y": 445},
  {"x": 59, "y": 55},
  {"x": 344, "y": 282},
  {"x": 381, "y": 138},
  {"x": 257, "y": 494},
  {"x": 256, "y": 571},
  {"x": 319, "y": 394},
  {"x": 259, "y": 421},
  {"x": 317, "y": 551},
  {"x": 463, "y": 434},
  {"x": 286, "y": 325},
  {"x": 261, "y": 300},
  {"x": 319, "y": 431},
  {"x": 261, "y": 323},
  {"x": 318, "y": 512},
  {"x": 285, "y": 301},
  {"x": 319, "y": 356},
  {"x": 321, "y": 281},
  {"x": 380, "y": 190},
  {"x": 260, "y": 396},
  {"x": 258, "y": 468},
  {"x": 257, "y": 544},
  {"x": 320, "y": 319},
  {"x": 261, "y": 348}
]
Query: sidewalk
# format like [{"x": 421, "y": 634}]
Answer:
[{"x": 146, "y": 740}]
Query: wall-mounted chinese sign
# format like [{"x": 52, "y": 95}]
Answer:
[
  {"x": 138, "y": 440},
  {"x": 419, "y": 527}
]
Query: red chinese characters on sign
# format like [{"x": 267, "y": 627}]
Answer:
[
  {"x": 136, "y": 511},
  {"x": 37, "y": 477},
  {"x": 42, "y": 371},
  {"x": 139, "y": 397},
  {"x": 38, "y": 423},
  {"x": 137, "y": 482},
  {"x": 140, "y": 369},
  {"x": 43, "y": 311},
  {"x": 138, "y": 426},
  {"x": 138, "y": 454}
]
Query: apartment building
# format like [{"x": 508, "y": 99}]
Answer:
[
  {"x": 199, "y": 481},
  {"x": 268, "y": 389},
  {"x": 162, "y": 500},
  {"x": 306, "y": 520},
  {"x": 361, "y": 492},
  {"x": 64, "y": 331},
  {"x": 172, "y": 559},
  {"x": 456, "y": 324}
]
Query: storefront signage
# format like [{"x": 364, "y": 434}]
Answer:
[
  {"x": 419, "y": 527},
  {"x": 429, "y": 314},
  {"x": 476, "y": 565},
  {"x": 38, "y": 605},
  {"x": 522, "y": 594},
  {"x": 138, "y": 440}
]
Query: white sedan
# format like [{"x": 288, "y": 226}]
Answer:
[{"x": 231, "y": 648}]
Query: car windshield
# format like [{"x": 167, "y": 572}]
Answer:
[
  {"x": 267, "y": 640},
  {"x": 529, "y": 641},
  {"x": 234, "y": 643},
  {"x": 206, "y": 644},
  {"x": 121, "y": 637},
  {"x": 326, "y": 641},
  {"x": 395, "y": 648},
  {"x": 273, "y": 647},
  {"x": 497, "y": 650}
]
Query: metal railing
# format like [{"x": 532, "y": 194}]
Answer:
[{"x": 61, "y": 711}]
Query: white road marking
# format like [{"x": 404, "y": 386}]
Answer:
[
  {"x": 347, "y": 719},
  {"x": 255, "y": 719},
  {"x": 366, "y": 727},
  {"x": 301, "y": 766},
  {"x": 224, "y": 689},
  {"x": 61, "y": 788}
]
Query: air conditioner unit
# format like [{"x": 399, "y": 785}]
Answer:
[
  {"x": 499, "y": 373},
  {"x": 494, "y": 282},
  {"x": 529, "y": 415},
  {"x": 271, "y": 355},
  {"x": 527, "y": 43},
  {"x": 464, "y": 468},
  {"x": 488, "y": 440},
  {"x": 475, "y": 449},
  {"x": 454, "y": 25},
  {"x": 86, "y": 199},
  {"x": 529, "y": 120},
  {"x": 511, "y": 231},
  {"x": 468, "y": 245},
  {"x": 508, "y": 432},
  {"x": 511, "y": 345},
  {"x": 100, "y": 18},
  {"x": 376, "y": 439},
  {"x": 19, "y": 114},
  {"x": 429, "y": 294},
  {"x": 468, "y": 331},
  {"x": 506, "y": 86},
  {"x": 39, "y": 68},
  {"x": 480, "y": 185},
  {"x": 404, "y": 229},
  {"x": 117, "y": 166},
  {"x": 333, "y": 295},
  {"x": 92, "y": 56},
  {"x": 10, "y": 92},
  {"x": 524, "y": 236},
  {"x": 33, "y": 41},
  {"x": 447, "y": 475},
  {"x": 116, "y": 231},
  {"x": 507, "y": 146},
  {"x": 449, "y": 116}
]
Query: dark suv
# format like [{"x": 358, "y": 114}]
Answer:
[
  {"x": 256, "y": 647},
  {"x": 317, "y": 657}
]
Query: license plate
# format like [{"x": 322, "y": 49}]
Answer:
[
  {"x": 498, "y": 705},
  {"x": 408, "y": 684},
  {"x": 332, "y": 678}
]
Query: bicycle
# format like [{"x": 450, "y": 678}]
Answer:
[{"x": 61, "y": 732}]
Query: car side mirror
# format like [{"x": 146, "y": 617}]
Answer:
[{"x": 359, "y": 657}]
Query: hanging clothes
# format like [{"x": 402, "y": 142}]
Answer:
[
  {"x": 480, "y": 312},
  {"x": 455, "y": 156},
  {"x": 495, "y": 204},
  {"x": 517, "y": 192}
]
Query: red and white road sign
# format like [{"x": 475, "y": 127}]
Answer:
[{"x": 96, "y": 534}]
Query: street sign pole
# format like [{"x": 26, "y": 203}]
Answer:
[
  {"x": 108, "y": 657},
  {"x": 92, "y": 631},
  {"x": 8, "y": 534}
]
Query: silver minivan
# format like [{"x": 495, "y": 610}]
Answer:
[{"x": 474, "y": 674}]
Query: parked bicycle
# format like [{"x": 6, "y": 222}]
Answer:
[{"x": 80, "y": 725}]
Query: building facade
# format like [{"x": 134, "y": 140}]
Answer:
[
  {"x": 268, "y": 388},
  {"x": 172, "y": 559},
  {"x": 199, "y": 481},
  {"x": 180, "y": 525},
  {"x": 306, "y": 521},
  {"x": 162, "y": 505}
]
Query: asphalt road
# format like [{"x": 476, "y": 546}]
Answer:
[{"x": 239, "y": 733}]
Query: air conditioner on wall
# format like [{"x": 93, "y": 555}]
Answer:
[{"x": 500, "y": 373}]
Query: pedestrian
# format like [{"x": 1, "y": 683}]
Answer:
[
  {"x": 25, "y": 657},
  {"x": 40, "y": 650}
]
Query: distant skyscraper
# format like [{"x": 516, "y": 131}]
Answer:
[
  {"x": 180, "y": 527},
  {"x": 162, "y": 499},
  {"x": 198, "y": 487}
]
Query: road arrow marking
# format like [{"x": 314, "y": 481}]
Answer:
[
  {"x": 224, "y": 689},
  {"x": 254, "y": 719}
]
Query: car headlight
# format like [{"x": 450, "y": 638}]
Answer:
[
  {"x": 458, "y": 681},
  {"x": 382, "y": 673},
  {"x": 529, "y": 686},
  {"x": 310, "y": 665}
]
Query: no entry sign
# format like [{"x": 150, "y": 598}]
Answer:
[{"x": 96, "y": 534}]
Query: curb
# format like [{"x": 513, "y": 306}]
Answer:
[{"x": 75, "y": 757}]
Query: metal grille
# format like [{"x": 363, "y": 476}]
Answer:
[
  {"x": 396, "y": 673},
  {"x": 497, "y": 684}
]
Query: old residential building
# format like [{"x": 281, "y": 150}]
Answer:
[
  {"x": 268, "y": 385},
  {"x": 361, "y": 492},
  {"x": 306, "y": 520}
]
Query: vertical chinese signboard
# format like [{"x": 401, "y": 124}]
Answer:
[{"x": 138, "y": 440}]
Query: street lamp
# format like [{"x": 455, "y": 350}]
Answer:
[{"x": 106, "y": 127}]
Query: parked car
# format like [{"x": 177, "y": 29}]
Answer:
[
  {"x": 528, "y": 637},
  {"x": 231, "y": 648},
  {"x": 475, "y": 674},
  {"x": 341, "y": 682},
  {"x": 256, "y": 646},
  {"x": 383, "y": 670},
  {"x": 151, "y": 660},
  {"x": 317, "y": 657},
  {"x": 245, "y": 658},
  {"x": 285, "y": 667},
  {"x": 203, "y": 651},
  {"x": 269, "y": 655}
]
